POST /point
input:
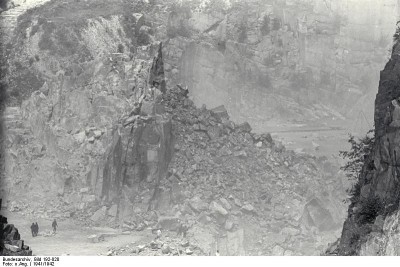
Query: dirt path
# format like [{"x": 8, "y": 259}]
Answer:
[{"x": 70, "y": 238}]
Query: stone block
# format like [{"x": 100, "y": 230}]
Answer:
[
  {"x": 225, "y": 203},
  {"x": 221, "y": 113},
  {"x": 217, "y": 208},
  {"x": 99, "y": 214},
  {"x": 168, "y": 223},
  {"x": 152, "y": 155},
  {"x": 248, "y": 208},
  {"x": 113, "y": 210},
  {"x": 197, "y": 204},
  {"x": 245, "y": 127},
  {"x": 12, "y": 248},
  {"x": 18, "y": 243}
]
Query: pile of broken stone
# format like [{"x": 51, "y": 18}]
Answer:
[
  {"x": 166, "y": 246},
  {"x": 227, "y": 173},
  {"x": 168, "y": 242},
  {"x": 11, "y": 243},
  {"x": 223, "y": 176}
]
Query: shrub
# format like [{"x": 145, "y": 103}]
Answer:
[
  {"x": 354, "y": 192},
  {"x": 396, "y": 35},
  {"x": 359, "y": 151},
  {"x": 354, "y": 238},
  {"x": 369, "y": 210}
]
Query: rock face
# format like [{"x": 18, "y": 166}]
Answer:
[
  {"x": 259, "y": 57},
  {"x": 10, "y": 240},
  {"x": 92, "y": 122},
  {"x": 373, "y": 213},
  {"x": 90, "y": 137},
  {"x": 157, "y": 71},
  {"x": 223, "y": 185}
]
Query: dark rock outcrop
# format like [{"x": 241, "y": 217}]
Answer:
[
  {"x": 10, "y": 240},
  {"x": 369, "y": 227},
  {"x": 140, "y": 152},
  {"x": 157, "y": 76}
]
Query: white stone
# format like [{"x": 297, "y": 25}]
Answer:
[
  {"x": 97, "y": 134},
  {"x": 225, "y": 203},
  {"x": 217, "y": 208},
  {"x": 80, "y": 137},
  {"x": 278, "y": 251},
  {"x": 248, "y": 208},
  {"x": 84, "y": 190}
]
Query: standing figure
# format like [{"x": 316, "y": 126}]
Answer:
[
  {"x": 33, "y": 229},
  {"x": 54, "y": 225},
  {"x": 36, "y": 228}
]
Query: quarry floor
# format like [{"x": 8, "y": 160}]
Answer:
[{"x": 70, "y": 238}]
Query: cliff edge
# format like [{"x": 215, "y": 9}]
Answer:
[{"x": 373, "y": 215}]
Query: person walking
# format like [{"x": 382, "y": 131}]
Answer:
[
  {"x": 33, "y": 229},
  {"x": 54, "y": 225}
]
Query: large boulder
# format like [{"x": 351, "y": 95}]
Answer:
[
  {"x": 216, "y": 208},
  {"x": 220, "y": 113},
  {"x": 169, "y": 223},
  {"x": 245, "y": 127},
  {"x": 235, "y": 243},
  {"x": 315, "y": 214},
  {"x": 197, "y": 204},
  {"x": 99, "y": 214}
]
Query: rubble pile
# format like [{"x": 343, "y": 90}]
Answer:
[
  {"x": 226, "y": 176},
  {"x": 166, "y": 246},
  {"x": 11, "y": 243},
  {"x": 237, "y": 191},
  {"x": 110, "y": 143}
]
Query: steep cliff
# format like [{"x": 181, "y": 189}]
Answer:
[
  {"x": 300, "y": 61},
  {"x": 370, "y": 228},
  {"x": 78, "y": 126},
  {"x": 98, "y": 130}
]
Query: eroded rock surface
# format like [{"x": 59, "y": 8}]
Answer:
[
  {"x": 11, "y": 243},
  {"x": 89, "y": 136},
  {"x": 373, "y": 213}
]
